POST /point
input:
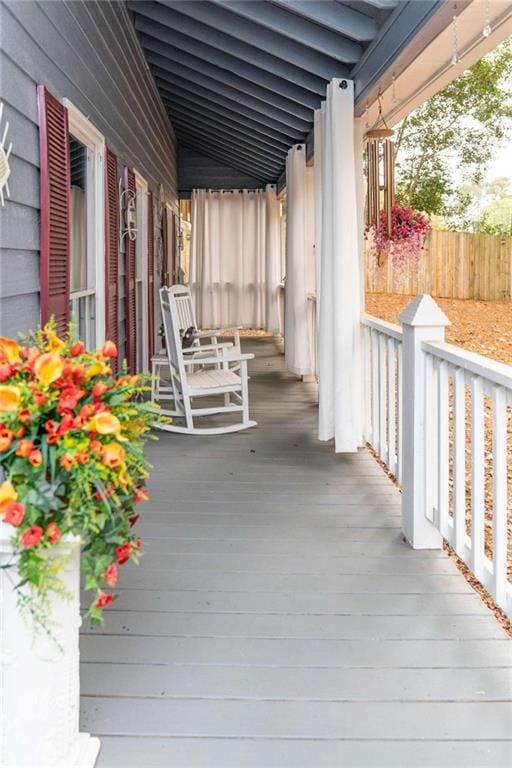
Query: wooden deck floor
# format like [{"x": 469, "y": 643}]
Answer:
[{"x": 277, "y": 619}]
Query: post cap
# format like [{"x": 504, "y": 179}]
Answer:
[{"x": 424, "y": 312}]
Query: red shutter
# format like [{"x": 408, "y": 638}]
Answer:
[
  {"x": 111, "y": 249},
  {"x": 151, "y": 279},
  {"x": 55, "y": 195},
  {"x": 130, "y": 267},
  {"x": 165, "y": 249}
]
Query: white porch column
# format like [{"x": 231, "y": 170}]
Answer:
[{"x": 423, "y": 320}]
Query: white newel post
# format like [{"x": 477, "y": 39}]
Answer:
[
  {"x": 422, "y": 320},
  {"x": 39, "y": 684}
]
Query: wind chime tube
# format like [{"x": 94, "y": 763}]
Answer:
[
  {"x": 373, "y": 182},
  {"x": 389, "y": 182}
]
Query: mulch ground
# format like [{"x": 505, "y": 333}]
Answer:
[{"x": 484, "y": 327}]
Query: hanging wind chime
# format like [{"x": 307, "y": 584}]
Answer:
[{"x": 380, "y": 174}]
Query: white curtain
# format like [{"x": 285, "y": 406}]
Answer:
[
  {"x": 300, "y": 269},
  {"x": 235, "y": 258},
  {"x": 337, "y": 247}
]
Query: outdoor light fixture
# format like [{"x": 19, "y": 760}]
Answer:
[
  {"x": 128, "y": 213},
  {"x": 5, "y": 170}
]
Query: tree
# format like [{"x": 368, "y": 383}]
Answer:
[{"x": 444, "y": 147}]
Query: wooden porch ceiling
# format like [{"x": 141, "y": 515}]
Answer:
[{"x": 240, "y": 79}]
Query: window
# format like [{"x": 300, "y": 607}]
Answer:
[{"x": 87, "y": 262}]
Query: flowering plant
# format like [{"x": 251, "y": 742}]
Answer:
[
  {"x": 405, "y": 243},
  {"x": 71, "y": 440}
]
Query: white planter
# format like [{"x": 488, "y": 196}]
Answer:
[{"x": 39, "y": 684}]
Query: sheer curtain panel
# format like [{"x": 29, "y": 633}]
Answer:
[
  {"x": 299, "y": 260},
  {"x": 234, "y": 257},
  {"x": 337, "y": 246}
]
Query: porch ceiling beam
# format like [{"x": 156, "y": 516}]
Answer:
[
  {"x": 228, "y": 44},
  {"x": 304, "y": 31},
  {"x": 216, "y": 153},
  {"x": 223, "y": 130},
  {"x": 151, "y": 32},
  {"x": 164, "y": 79},
  {"x": 232, "y": 91},
  {"x": 333, "y": 15},
  {"x": 182, "y": 97},
  {"x": 207, "y": 178},
  {"x": 418, "y": 20},
  {"x": 231, "y": 146},
  {"x": 160, "y": 54},
  {"x": 244, "y": 148},
  {"x": 278, "y": 45}
]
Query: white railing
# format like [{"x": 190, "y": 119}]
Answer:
[
  {"x": 466, "y": 468},
  {"x": 438, "y": 417},
  {"x": 382, "y": 359},
  {"x": 312, "y": 332}
]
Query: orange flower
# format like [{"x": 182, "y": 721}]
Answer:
[
  {"x": 76, "y": 349},
  {"x": 21, "y": 432},
  {"x": 109, "y": 349},
  {"x": 53, "y": 532},
  {"x": 67, "y": 460},
  {"x": 99, "y": 389},
  {"x": 24, "y": 416},
  {"x": 82, "y": 457},
  {"x": 6, "y": 370},
  {"x": 105, "y": 423},
  {"x": 36, "y": 458},
  {"x": 48, "y": 368},
  {"x": 10, "y": 349},
  {"x": 6, "y": 436},
  {"x": 10, "y": 397},
  {"x": 7, "y": 495},
  {"x": 25, "y": 448},
  {"x": 14, "y": 513},
  {"x": 113, "y": 455},
  {"x": 39, "y": 398},
  {"x": 96, "y": 446}
]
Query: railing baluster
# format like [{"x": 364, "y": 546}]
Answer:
[
  {"x": 367, "y": 383},
  {"x": 382, "y": 397},
  {"x": 499, "y": 517},
  {"x": 477, "y": 477},
  {"x": 459, "y": 460},
  {"x": 430, "y": 444},
  {"x": 400, "y": 411},
  {"x": 443, "y": 450},
  {"x": 375, "y": 390},
  {"x": 391, "y": 415}
]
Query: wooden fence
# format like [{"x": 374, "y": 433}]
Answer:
[{"x": 455, "y": 265}]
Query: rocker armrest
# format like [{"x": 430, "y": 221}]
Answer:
[
  {"x": 207, "y": 348},
  {"x": 221, "y": 359},
  {"x": 217, "y": 331}
]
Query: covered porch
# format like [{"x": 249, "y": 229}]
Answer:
[{"x": 278, "y": 618}]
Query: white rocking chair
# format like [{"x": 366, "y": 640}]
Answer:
[
  {"x": 186, "y": 318},
  {"x": 215, "y": 377}
]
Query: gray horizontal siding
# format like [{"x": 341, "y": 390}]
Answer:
[{"x": 87, "y": 52}]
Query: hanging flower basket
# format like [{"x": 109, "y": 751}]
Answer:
[
  {"x": 71, "y": 454},
  {"x": 402, "y": 240}
]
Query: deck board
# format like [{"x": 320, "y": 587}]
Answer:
[{"x": 277, "y": 618}]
